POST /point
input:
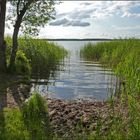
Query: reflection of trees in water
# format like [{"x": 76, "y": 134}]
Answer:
[{"x": 49, "y": 71}]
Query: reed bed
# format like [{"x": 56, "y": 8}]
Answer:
[
  {"x": 123, "y": 56},
  {"x": 37, "y": 56},
  {"x": 31, "y": 121}
]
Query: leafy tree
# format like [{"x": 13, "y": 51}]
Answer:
[
  {"x": 2, "y": 42},
  {"x": 29, "y": 15}
]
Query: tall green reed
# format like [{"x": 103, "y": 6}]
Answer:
[
  {"x": 123, "y": 56},
  {"x": 43, "y": 56}
]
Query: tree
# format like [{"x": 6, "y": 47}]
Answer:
[
  {"x": 2, "y": 42},
  {"x": 30, "y": 15}
]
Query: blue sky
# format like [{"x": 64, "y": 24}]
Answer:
[{"x": 94, "y": 19}]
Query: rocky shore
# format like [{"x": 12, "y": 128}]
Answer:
[{"x": 69, "y": 118}]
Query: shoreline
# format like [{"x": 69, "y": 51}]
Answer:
[{"x": 71, "y": 118}]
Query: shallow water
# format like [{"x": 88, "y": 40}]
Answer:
[{"x": 78, "y": 79}]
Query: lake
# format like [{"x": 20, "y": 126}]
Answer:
[{"x": 78, "y": 79}]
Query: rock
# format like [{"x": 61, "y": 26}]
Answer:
[
  {"x": 85, "y": 119},
  {"x": 52, "y": 113},
  {"x": 71, "y": 115},
  {"x": 65, "y": 116},
  {"x": 77, "y": 119}
]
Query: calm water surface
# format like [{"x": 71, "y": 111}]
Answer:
[{"x": 78, "y": 79}]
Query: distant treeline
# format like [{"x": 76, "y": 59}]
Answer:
[{"x": 85, "y": 39}]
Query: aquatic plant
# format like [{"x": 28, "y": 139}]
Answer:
[
  {"x": 42, "y": 56},
  {"x": 123, "y": 56}
]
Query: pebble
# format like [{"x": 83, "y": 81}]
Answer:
[{"x": 66, "y": 117}]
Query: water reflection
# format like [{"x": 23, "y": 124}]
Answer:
[{"x": 78, "y": 79}]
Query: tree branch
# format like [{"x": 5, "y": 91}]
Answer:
[{"x": 18, "y": 3}]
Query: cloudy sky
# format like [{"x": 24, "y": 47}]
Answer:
[{"x": 94, "y": 19}]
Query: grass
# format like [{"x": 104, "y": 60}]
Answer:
[
  {"x": 123, "y": 56},
  {"x": 35, "y": 116},
  {"x": 12, "y": 125},
  {"x": 36, "y": 57},
  {"x": 31, "y": 122}
]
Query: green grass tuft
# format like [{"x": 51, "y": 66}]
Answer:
[{"x": 31, "y": 122}]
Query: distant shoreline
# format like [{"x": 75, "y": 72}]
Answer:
[{"x": 86, "y": 39}]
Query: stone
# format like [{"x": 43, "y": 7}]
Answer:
[
  {"x": 52, "y": 113},
  {"x": 65, "y": 116}
]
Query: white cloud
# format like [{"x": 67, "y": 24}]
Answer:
[
  {"x": 66, "y": 22},
  {"x": 97, "y": 9},
  {"x": 129, "y": 14},
  {"x": 95, "y": 17}
]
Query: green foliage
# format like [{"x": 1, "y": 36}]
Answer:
[
  {"x": 36, "y": 57},
  {"x": 31, "y": 122},
  {"x": 37, "y": 14},
  {"x": 12, "y": 125},
  {"x": 124, "y": 57},
  {"x": 44, "y": 56},
  {"x": 9, "y": 46},
  {"x": 35, "y": 116},
  {"x": 134, "y": 122},
  {"x": 130, "y": 69},
  {"x": 22, "y": 64}
]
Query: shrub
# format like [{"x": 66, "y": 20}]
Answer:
[{"x": 22, "y": 64}]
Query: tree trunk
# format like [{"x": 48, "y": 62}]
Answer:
[
  {"x": 15, "y": 42},
  {"x": 20, "y": 15},
  {"x": 3, "y": 65}
]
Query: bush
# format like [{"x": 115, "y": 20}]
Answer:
[{"x": 22, "y": 64}]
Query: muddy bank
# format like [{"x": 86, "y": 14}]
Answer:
[{"x": 72, "y": 118}]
